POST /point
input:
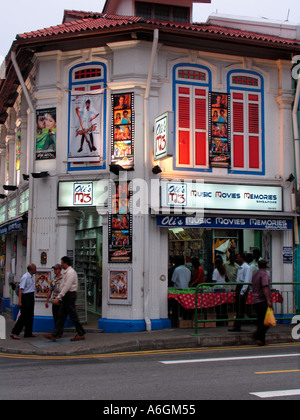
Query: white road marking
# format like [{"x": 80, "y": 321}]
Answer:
[
  {"x": 273, "y": 394},
  {"x": 227, "y": 359}
]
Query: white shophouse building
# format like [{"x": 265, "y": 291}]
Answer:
[{"x": 89, "y": 107}]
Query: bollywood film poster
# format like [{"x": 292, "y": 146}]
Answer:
[
  {"x": 120, "y": 223},
  {"x": 219, "y": 153},
  {"x": 42, "y": 284},
  {"x": 119, "y": 286},
  {"x": 45, "y": 134},
  {"x": 122, "y": 141},
  {"x": 85, "y": 126}
]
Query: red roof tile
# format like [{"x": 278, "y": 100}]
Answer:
[{"x": 89, "y": 21}]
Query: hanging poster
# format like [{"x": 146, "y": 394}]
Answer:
[
  {"x": 42, "y": 284},
  {"x": 119, "y": 286},
  {"x": 85, "y": 126},
  {"x": 120, "y": 223},
  {"x": 219, "y": 153},
  {"x": 122, "y": 142},
  {"x": 45, "y": 133}
]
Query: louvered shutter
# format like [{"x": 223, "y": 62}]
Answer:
[
  {"x": 238, "y": 130},
  {"x": 254, "y": 131},
  {"x": 200, "y": 127},
  {"x": 184, "y": 125}
]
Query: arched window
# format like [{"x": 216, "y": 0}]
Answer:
[
  {"x": 247, "y": 122},
  {"x": 191, "y": 93}
]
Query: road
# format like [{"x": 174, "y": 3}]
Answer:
[{"x": 166, "y": 377}]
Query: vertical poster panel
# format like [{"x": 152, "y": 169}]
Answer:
[
  {"x": 122, "y": 141},
  {"x": 120, "y": 223},
  {"x": 85, "y": 127},
  {"x": 119, "y": 286},
  {"x": 219, "y": 109},
  {"x": 45, "y": 134}
]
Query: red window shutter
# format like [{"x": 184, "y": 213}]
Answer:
[
  {"x": 201, "y": 149},
  {"x": 238, "y": 133},
  {"x": 254, "y": 152},
  {"x": 200, "y": 113},
  {"x": 253, "y": 118},
  {"x": 184, "y": 147},
  {"x": 200, "y": 124},
  {"x": 238, "y": 151},
  {"x": 184, "y": 112},
  {"x": 238, "y": 117},
  {"x": 184, "y": 126}
]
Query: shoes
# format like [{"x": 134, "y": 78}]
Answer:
[
  {"x": 234, "y": 329},
  {"x": 79, "y": 150},
  {"x": 15, "y": 337},
  {"x": 78, "y": 337},
  {"x": 50, "y": 337},
  {"x": 30, "y": 336}
]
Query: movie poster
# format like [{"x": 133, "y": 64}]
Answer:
[
  {"x": 219, "y": 154},
  {"x": 122, "y": 143},
  {"x": 45, "y": 133},
  {"x": 120, "y": 223},
  {"x": 42, "y": 284},
  {"x": 85, "y": 127}
]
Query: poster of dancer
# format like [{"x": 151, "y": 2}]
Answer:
[
  {"x": 119, "y": 286},
  {"x": 85, "y": 127},
  {"x": 219, "y": 151}
]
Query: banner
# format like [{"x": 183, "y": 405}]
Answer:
[
  {"x": 85, "y": 127},
  {"x": 46, "y": 133}
]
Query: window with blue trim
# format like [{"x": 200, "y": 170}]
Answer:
[
  {"x": 191, "y": 115},
  {"x": 246, "y": 90},
  {"x": 86, "y": 148}
]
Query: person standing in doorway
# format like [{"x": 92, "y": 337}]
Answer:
[
  {"x": 181, "y": 275},
  {"x": 67, "y": 295},
  {"x": 26, "y": 304},
  {"x": 244, "y": 275}
]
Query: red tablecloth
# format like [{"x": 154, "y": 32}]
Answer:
[{"x": 209, "y": 300}]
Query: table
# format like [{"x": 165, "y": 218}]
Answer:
[{"x": 211, "y": 299}]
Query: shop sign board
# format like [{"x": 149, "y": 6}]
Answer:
[
  {"x": 163, "y": 136},
  {"x": 83, "y": 194},
  {"x": 200, "y": 196},
  {"x": 224, "y": 223}
]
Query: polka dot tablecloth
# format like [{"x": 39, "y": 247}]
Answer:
[{"x": 209, "y": 300}]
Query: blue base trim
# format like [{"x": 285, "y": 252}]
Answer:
[
  {"x": 129, "y": 325},
  {"x": 46, "y": 324},
  {"x": 5, "y": 304},
  {"x": 14, "y": 310},
  {"x": 283, "y": 321}
]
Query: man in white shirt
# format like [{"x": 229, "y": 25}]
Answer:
[
  {"x": 244, "y": 275},
  {"x": 181, "y": 275},
  {"x": 67, "y": 295}
]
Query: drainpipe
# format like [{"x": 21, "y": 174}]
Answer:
[
  {"x": 30, "y": 151},
  {"x": 296, "y": 133},
  {"x": 147, "y": 180}
]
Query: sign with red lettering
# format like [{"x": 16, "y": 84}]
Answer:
[{"x": 163, "y": 136}]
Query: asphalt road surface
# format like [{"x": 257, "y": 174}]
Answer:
[{"x": 175, "y": 380}]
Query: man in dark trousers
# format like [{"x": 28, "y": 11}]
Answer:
[
  {"x": 261, "y": 298},
  {"x": 26, "y": 304},
  {"x": 67, "y": 295}
]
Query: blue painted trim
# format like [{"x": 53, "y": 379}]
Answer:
[
  {"x": 103, "y": 81},
  {"x": 129, "y": 325},
  {"x": 191, "y": 83},
  {"x": 46, "y": 324},
  {"x": 260, "y": 90},
  {"x": 14, "y": 310}
]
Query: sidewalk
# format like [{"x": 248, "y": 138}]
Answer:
[{"x": 97, "y": 342}]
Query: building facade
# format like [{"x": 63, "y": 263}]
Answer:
[{"x": 132, "y": 136}]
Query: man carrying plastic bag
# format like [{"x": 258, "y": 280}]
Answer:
[{"x": 261, "y": 298}]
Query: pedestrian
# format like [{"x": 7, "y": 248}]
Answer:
[
  {"x": 231, "y": 267},
  {"x": 182, "y": 275},
  {"x": 261, "y": 298},
  {"x": 55, "y": 288},
  {"x": 197, "y": 274},
  {"x": 25, "y": 304},
  {"x": 244, "y": 275},
  {"x": 67, "y": 295}
]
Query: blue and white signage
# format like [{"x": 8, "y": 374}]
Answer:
[
  {"x": 224, "y": 223},
  {"x": 201, "y": 196},
  {"x": 83, "y": 194},
  {"x": 163, "y": 136}
]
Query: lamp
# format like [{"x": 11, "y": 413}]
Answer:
[
  {"x": 10, "y": 187},
  {"x": 2, "y": 196},
  {"x": 290, "y": 178},
  {"x": 42, "y": 174},
  {"x": 156, "y": 170},
  {"x": 25, "y": 177}
]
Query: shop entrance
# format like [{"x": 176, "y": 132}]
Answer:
[{"x": 88, "y": 257}]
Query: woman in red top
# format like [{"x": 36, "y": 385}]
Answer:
[{"x": 197, "y": 274}]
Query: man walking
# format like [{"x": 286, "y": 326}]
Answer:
[
  {"x": 67, "y": 295},
  {"x": 26, "y": 304},
  {"x": 261, "y": 298}
]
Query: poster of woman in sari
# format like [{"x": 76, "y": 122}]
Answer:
[{"x": 46, "y": 133}]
